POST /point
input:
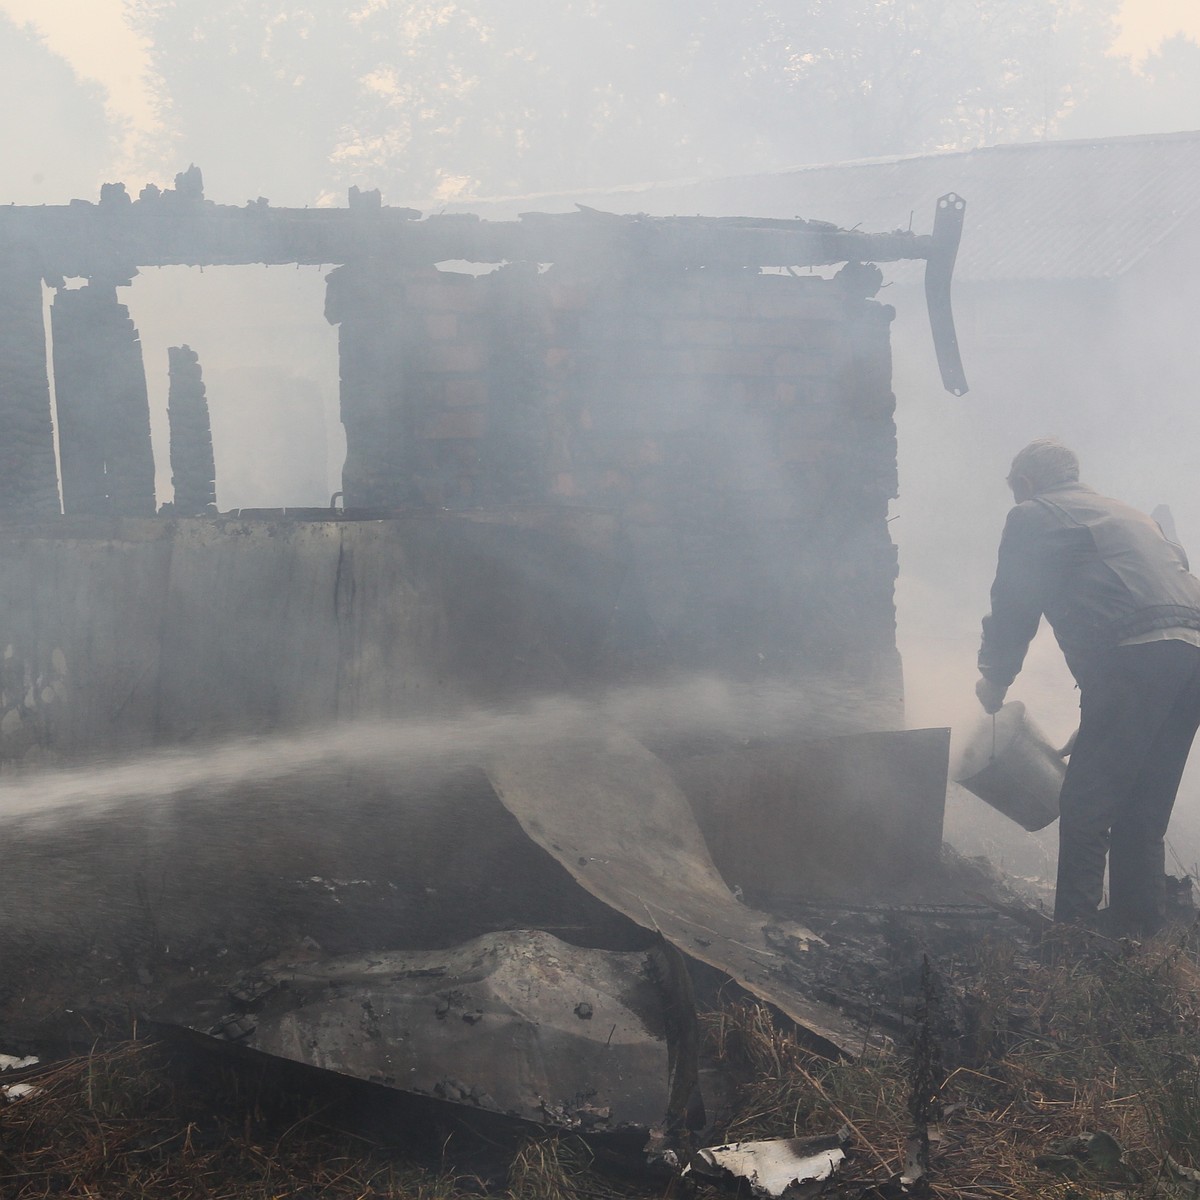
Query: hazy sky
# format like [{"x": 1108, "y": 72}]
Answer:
[{"x": 93, "y": 37}]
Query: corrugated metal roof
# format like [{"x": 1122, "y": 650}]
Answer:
[{"x": 1043, "y": 210}]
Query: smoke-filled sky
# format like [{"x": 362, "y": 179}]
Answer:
[
  {"x": 444, "y": 101},
  {"x": 439, "y": 101},
  {"x": 94, "y": 38}
]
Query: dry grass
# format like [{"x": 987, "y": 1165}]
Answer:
[
  {"x": 113, "y": 1125},
  {"x": 1054, "y": 1044},
  {"x": 560, "y": 1168},
  {"x": 1076, "y": 1040}
]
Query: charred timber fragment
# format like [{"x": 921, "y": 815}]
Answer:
[
  {"x": 193, "y": 472},
  {"x": 939, "y": 269},
  {"x": 494, "y": 1024},
  {"x": 103, "y": 409},
  {"x": 28, "y": 476}
]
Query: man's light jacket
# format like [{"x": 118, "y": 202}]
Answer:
[{"x": 1101, "y": 572}]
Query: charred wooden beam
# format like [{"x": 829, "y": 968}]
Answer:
[
  {"x": 110, "y": 240},
  {"x": 28, "y": 475}
]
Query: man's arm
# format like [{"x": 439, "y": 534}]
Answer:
[{"x": 1016, "y": 606}]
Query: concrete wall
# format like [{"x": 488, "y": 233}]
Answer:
[{"x": 123, "y": 634}]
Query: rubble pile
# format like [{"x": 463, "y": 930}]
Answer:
[{"x": 1003, "y": 1062}]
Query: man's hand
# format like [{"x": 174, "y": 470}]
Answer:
[
  {"x": 1065, "y": 752},
  {"x": 991, "y": 695}
]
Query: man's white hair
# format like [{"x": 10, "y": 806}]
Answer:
[{"x": 1045, "y": 463}]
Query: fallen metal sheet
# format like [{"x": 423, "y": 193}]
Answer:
[
  {"x": 610, "y": 811},
  {"x": 771, "y": 1168},
  {"x": 515, "y": 1022}
]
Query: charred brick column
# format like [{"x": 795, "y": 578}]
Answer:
[
  {"x": 28, "y": 476},
  {"x": 741, "y": 424},
  {"x": 379, "y": 428},
  {"x": 513, "y": 466},
  {"x": 103, "y": 410},
  {"x": 193, "y": 472},
  {"x": 415, "y": 353},
  {"x": 737, "y": 423}
]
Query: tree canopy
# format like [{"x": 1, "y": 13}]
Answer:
[
  {"x": 57, "y": 138},
  {"x": 448, "y": 98},
  {"x": 1158, "y": 95}
]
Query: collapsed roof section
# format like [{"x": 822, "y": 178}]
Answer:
[
  {"x": 171, "y": 228},
  {"x": 108, "y": 242}
]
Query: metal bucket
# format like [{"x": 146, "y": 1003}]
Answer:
[{"x": 1009, "y": 764}]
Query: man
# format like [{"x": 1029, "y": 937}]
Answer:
[{"x": 1126, "y": 613}]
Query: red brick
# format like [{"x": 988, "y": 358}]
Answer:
[
  {"x": 714, "y": 360},
  {"x": 786, "y": 395},
  {"x": 454, "y": 357},
  {"x": 640, "y": 452},
  {"x": 791, "y": 364},
  {"x": 558, "y": 358},
  {"x": 465, "y": 392},
  {"x": 558, "y": 453},
  {"x": 645, "y": 512},
  {"x": 445, "y": 297},
  {"x": 808, "y": 422},
  {"x": 569, "y": 296},
  {"x": 441, "y": 327},
  {"x": 723, "y": 300},
  {"x": 821, "y": 389},
  {"x": 820, "y": 335},
  {"x": 457, "y": 423},
  {"x": 782, "y": 303},
  {"x": 697, "y": 333},
  {"x": 798, "y": 449}
]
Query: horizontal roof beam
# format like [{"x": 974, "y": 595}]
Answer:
[{"x": 111, "y": 240}]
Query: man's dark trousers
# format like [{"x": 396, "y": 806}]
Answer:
[{"x": 1139, "y": 710}]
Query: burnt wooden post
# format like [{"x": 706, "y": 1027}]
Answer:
[
  {"x": 28, "y": 476},
  {"x": 103, "y": 409},
  {"x": 193, "y": 472},
  {"x": 374, "y": 342}
]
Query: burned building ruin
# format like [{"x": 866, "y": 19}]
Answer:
[
  {"x": 584, "y": 452},
  {"x": 719, "y": 419}
]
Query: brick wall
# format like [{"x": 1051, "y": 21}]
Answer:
[
  {"x": 28, "y": 474},
  {"x": 739, "y": 424},
  {"x": 103, "y": 409}
]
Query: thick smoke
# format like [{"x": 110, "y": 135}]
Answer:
[{"x": 648, "y": 100}]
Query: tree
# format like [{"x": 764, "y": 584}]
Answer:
[
  {"x": 430, "y": 98},
  {"x": 1159, "y": 95},
  {"x": 57, "y": 139},
  {"x": 882, "y": 77}
]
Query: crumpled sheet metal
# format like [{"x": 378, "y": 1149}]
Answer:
[
  {"x": 771, "y": 1168},
  {"x": 516, "y": 1022},
  {"x": 610, "y": 811}
]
